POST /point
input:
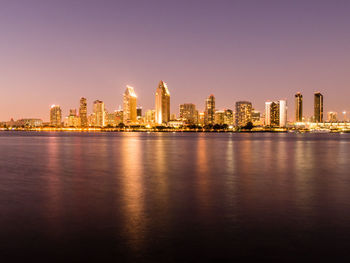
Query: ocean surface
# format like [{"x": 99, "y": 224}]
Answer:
[{"x": 174, "y": 197}]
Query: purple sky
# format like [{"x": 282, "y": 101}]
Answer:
[{"x": 54, "y": 52}]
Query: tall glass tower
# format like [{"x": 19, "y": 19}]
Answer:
[
  {"x": 209, "y": 113},
  {"x": 83, "y": 113},
  {"x": 162, "y": 103},
  {"x": 298, "y": 107},
  {"x": 318, "y": 107},
  {"x": 129, "y": 105}
]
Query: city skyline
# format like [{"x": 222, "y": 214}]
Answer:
[{"x": 237, "y": 51}]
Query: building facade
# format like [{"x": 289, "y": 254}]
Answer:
[
  {"x": 130, "y": 105},
  {"x": 209, "y": 112},
  {"x": 243, "y": 113},
  {"x": 162, "y": 104},
  {"x": 55, "y": 116},
  {"x": 99, "y": 114},
  {"x": 298, "y": 107},
  {"x": 83, "y": 112},
  {"x": 318, "y": 107},
  {"x": 188, "y": 113},
  {"x": 276, "y": 113}
]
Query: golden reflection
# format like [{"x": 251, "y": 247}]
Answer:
[
  {"x": 54, "y": 198},
  {"x": 133, "y": 190}
]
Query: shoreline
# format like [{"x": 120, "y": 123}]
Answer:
[{"x": 165, "y": 130}]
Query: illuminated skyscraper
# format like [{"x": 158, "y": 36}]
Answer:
[
  {"x": 268, "y": 113},
  {"x": 129, "y": 105},
  {"x": 209, "y": 112},
  {"x": 219, "y": 117},
  {"x": 99, "y": 114},
  {"x": 162, "y": 103},
  {"x": 276, "y": 113},
  {"x": 298, "y": 107},
  {"x": 55, "y": 116},
  {"x": 318, "y": 107},
  {"x": 228, "y": 118},
  {"x": 283, "y": 113},
  {"x": 188, "y": 113},
  {"x": 243, "y": 113},
  {"x": 83, "y": 112}
]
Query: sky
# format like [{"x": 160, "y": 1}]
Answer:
[{"x": 54, "y": 52}]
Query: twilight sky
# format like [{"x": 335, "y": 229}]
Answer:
[{"x": 54, "y": 52}]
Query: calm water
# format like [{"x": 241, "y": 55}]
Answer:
[{"x": 174, "y": 197}]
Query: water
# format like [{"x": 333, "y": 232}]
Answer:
[{"x": 174, "y": 197}]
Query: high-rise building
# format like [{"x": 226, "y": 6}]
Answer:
[
  {"x": 188, "y": 113},
  {"x": 228, "y": 117},
  {"x": 318, "y": 107},
  {"x": 332, "y": 116},
  {"x": 83, "y": 113},
  {"x": 243, "y": 113},
  {"x": 283, "y": 113},
  {"x": 209, "y": 112},
  {"x": 298, "y": 107},
  {"x": 268, "y": 113},
  {"x": 99, "y": 114},
  {"x": 219, "y": 117},
  {"x": 129, "y": 105},
  {"x": 55, "y": 116},
  {"x": 162, "y": 103},
  {"x": 276, "y": 113}
]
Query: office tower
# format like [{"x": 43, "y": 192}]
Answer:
[
  {"x": 188, "y": 113},
  {"x": 162, "y": 103},
  {"x": 256, "y": 118},
  {"x": 99, "y": 114},
  {"x": 243, "y": 113},
  {"x": 332, "y": 116},
  {"x": 268, "y": 113},
  {"x": 298, "y": 107},
  {"x": 219, "y": 117},
  {"x": 318, "y": 107},
  {"x": 129, "y": 105},
  {"x": 283, "y": 113},
  {"x": 209, "y": 111},
  {"x": 55, "y": 116},
  {"x": 274, "y": 114},
  {"x": 83, "y": 112},
  {"x": 228, "y": 117}
]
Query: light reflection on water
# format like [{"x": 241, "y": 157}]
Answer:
[{"x": 139, "y": 196}]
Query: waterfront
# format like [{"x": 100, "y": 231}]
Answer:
[{"x": 174, "y": 197}]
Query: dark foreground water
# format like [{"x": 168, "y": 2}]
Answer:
[{"x": 167, "y": 197}]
